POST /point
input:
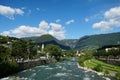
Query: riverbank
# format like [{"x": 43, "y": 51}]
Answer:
[
  {"x": 88, "y": 70},
  {"x": 27, "y": 64}
]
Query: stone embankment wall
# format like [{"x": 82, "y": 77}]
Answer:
[
  {"x": 31, "y": 64},
  {"x": 111, "y": 61}
]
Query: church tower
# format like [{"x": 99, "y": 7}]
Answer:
[{"x": 42, "y": 47}]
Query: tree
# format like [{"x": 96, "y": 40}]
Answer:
[
  {"x": 8, "y": 65},
  {"x": 4, "y": 54},
  {"x": 19, "y": 49},
  {"x": 70, "y": 53},
  {"x": 32, "y": 51},
  {"x": 54, "y": 51}
]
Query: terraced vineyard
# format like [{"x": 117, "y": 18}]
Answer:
[{"x": 109, "y": 67}]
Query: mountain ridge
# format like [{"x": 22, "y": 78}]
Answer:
[
  {"x": 97, "y": 41},
  {"x": 88, "y": 42},
  {"x": 47, "y": 39}
]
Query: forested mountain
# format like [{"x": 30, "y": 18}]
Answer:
[
  {"x": 70, "y": 42},
  {"x": 85, "y": 42},
  {"x": 47, "y": 39},
  {"x": 97, "y": 41}
]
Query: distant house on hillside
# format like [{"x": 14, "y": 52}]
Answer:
[
  {"x": 109, "y": 47},
  {"x": 79, "y": 53}
]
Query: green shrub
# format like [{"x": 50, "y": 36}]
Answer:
[
  {"x": 117, "y": 76},
  {"x": 106, "y": 72},
  {"x": 98, "y": 68}
]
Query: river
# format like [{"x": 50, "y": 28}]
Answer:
[{"x": 66, "y": 70}]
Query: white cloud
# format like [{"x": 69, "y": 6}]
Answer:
[
  {"x": 86, "y": 19},
  {"x": 97, "y": 16},
  {"x": 111, "y": 20},
  {"x": 57, "y": 30},
  {"x": 38, "y": 9},
  {"x": 5, "y": 33},
  {"x": 44, "y": 25},
  {"x": 26, "y": 31},
  {"x": 58, "y": 35},
  {"x": 54, "y": 29},
  {"x": 19, "y": 11},
  {"x": 58, "y": 20},
  {"x": 70, "y": 21},
  {"x": 112, "y": 13},
  {"x": 10, "y": 12},
  {"x": 23, "y": 8}
]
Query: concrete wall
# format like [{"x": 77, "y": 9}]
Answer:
[{"x": 111, "y": 61}]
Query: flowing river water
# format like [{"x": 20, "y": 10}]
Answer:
[{"x": 66, "y": 70}]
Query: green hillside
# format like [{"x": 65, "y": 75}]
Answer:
[
  {"x": 47, "y": 39},
  {"x": 97, "y": 41}
]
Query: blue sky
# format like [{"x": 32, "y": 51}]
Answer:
[{"x": 64, "y": 19}]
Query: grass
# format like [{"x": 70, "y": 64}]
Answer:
[
  {"x": 89, "y": 64},
  {"x": 109, "y": 67}
]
